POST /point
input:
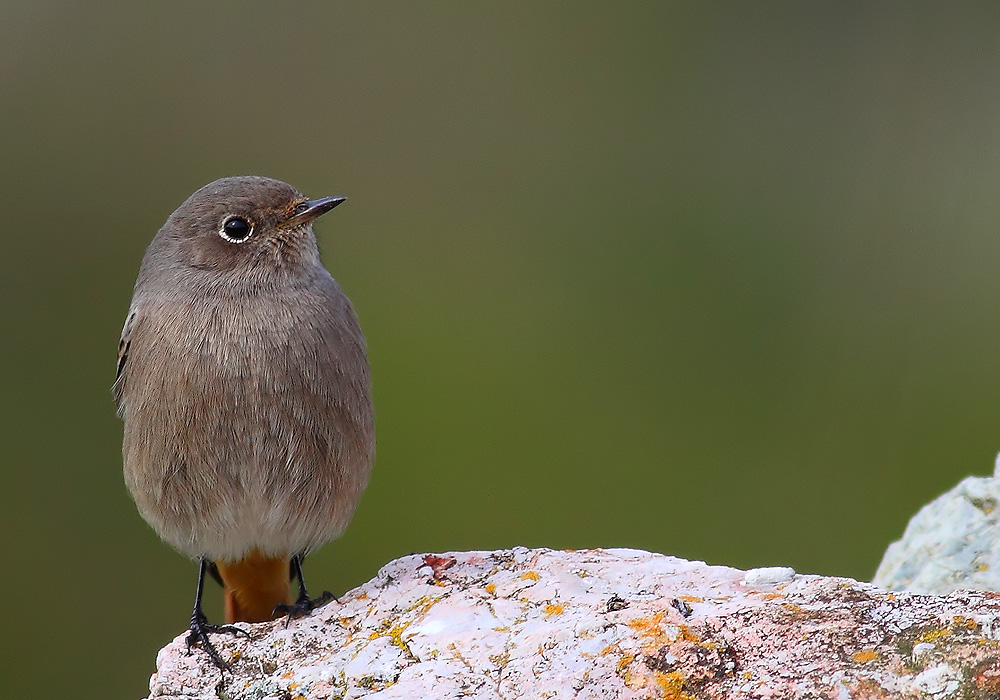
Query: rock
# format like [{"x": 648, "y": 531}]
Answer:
[
  {"x": 953, "y": 543},
  {"x": 604, "y": 624}
]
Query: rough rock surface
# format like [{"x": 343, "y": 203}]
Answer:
[
  {"x": 605, "y": 624},
  {"x": 952, "y": 544}
]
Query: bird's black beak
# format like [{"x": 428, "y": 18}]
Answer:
[{"x": 307, "y": 212}]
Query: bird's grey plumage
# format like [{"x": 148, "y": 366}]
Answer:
[{"x": 243, "y": 381}]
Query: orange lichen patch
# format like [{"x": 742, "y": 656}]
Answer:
[
  {"x": 428, "y": 604},
  {"x": 687, "y": 636},
  {"x": 530, "y": 576},
  {"x": 866, "y": 655},
  {"x": 554, "y": 609},
  {"x": 691, "y": 598},
  {"x": 771, "y": 596},
  {"x": 500, "y": 660},
  {"x": 891, "y": 597},
  {"x": 934, "y": 634},
  {"x": 491, "y": 588},
  {"x": 422, "y": 604},
  {"x": 966, "y": 622},
  {"x": 648, "y": 625},
  {"x": 672, "y": 685},
  {"x": 394, "y": 633},
  {"x": 622, "y": 669}
]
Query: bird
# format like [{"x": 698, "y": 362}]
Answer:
[{"x": 245, "y": 391}]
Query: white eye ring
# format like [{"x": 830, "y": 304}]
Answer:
[{"x": 236, "y": 229}]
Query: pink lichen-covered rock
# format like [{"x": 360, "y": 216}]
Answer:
[{"x": 605, "y": 624}]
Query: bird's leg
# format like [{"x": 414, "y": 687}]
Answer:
[
  {"x": 303, "y": 604},
  {"x": 213, "y": 571},
  {"x": 200, "y": 626}
]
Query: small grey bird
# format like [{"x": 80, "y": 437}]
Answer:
[{"x": 244, "y": 386}]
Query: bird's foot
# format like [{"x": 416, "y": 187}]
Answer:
[
  {"x": 303, "y": 606},
  {"x": 200, "y": 627}
]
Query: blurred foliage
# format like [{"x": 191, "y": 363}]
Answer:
[{"x": 714, "y": 280}]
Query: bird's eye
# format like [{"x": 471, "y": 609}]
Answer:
[
  {"x": 236, "y": 229},
  {"x": 301, "y": 207}
]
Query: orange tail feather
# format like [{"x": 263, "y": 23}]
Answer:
[{"x": 254, "y": 585}]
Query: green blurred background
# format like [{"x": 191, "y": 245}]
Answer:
[{"x": 705, "y": 279}]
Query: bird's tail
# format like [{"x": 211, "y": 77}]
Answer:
[{"x": 254, "y": 586}]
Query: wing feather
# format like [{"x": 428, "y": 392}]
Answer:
[{"x": 124, "y": 344}]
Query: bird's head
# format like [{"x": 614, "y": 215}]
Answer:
[{"x": 243, "y": 225}]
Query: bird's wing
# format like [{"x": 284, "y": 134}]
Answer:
[{"x": 123, "y": 347}]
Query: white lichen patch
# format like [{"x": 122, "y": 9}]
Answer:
[
  {"x": 768, "y": 575},
  {"x": 940, "y": 681}
]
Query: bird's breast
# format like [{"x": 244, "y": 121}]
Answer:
[{"x": 239, "y": 413}]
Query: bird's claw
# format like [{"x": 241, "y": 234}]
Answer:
[
  {"x": 200, "y": 627},
  {"x": 303, "y": 606}
]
